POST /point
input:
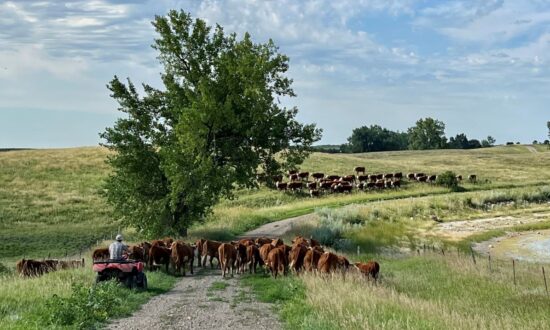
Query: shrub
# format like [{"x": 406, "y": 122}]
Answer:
[
  {"x": 86, "y": 306},
  {"x": 448, "y": 179}
]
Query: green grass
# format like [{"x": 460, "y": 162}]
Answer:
[{"x": 24, "y": 302}]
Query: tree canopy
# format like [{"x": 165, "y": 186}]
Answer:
[
  {"x": 428, "y": 133},
  {"x": 216, "y": 123},
  {"x": 376, "y": 138}
]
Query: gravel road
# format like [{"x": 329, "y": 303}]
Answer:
[
  {"x": 279, "y": 228},
  {"x": 203, "y": 301}
]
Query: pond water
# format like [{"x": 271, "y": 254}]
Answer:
[{"x": 533, "y": 246}]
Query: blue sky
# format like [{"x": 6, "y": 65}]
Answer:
[{"x": 479, "y": 66}]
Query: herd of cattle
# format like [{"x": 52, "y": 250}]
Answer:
[
  {"x": 341, "y": 184},
  {"x": 29, "y": 267},
  {"x": 275, "y": 256}
]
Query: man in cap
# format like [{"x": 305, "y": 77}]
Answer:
[{"x": 117, "y": 249}]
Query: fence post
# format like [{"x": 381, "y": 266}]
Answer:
[
  {"x": 490, "y": 269},
  {"x": 473, "y": 256},
  {"x": 442, "y": 252},
  {"x": 514, "y": 269},
  {"x": 545, "y": 284}
]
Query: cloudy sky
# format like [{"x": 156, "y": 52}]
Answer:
[{"x": 482, "y": 67}]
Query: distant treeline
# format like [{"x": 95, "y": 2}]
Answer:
[{"x": 428, "y": 133}]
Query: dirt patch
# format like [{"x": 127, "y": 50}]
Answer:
[
  {"x": 279, "y": 228},
  {"x": 458, "y": 230},
  {"x": 532, "y": 246},
  {"x": 531, "y": 149},
  {"x": 200, "y": 302}
]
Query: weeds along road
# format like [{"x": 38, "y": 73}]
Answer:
[{"x": 203, "y": 301}]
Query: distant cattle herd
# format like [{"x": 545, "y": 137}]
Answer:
[{"x": 321, "y": 183}]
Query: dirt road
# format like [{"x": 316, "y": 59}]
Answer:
[
  {"x": 202, "y": 301},
  {"x": 279, "y": 228}
]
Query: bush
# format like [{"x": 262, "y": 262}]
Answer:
[
  {"x": 87, "y": 306},
  {"x": 448, "y": 179}
]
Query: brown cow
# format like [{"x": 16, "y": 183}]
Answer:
[
  {"x": 325, "y": 185},
  {"x": 28, "y": 267},
  {"x": 329, "y": 262},
  {"x": 159, "y": 255},
  {"x": 277, "y": 242},
  {"x": 362, "y": 178},
  {"x": 293, "y": 177},
  {"x": 299, "y": 240},
  {"x": 210, "y": 249},
  {"x": 296, "y": 257},
  {"x": 359, "y": 169},
  {"x": 100, "y": 254},
  {"x": 281, "y": 185},
  {"x": 262, "y": 240},
  {"x": 314, "y": 243},
  {"x": 181, "y": 254},
  {"x": 246, "y": 241},
  {"x": 290, "y": 172},
  {"x": 333, "y": 177},
  {"x": 146, "y": 246},
  {"x": 311, "y": 259},
  {"x": 312, "y": 185},
  {"x": 168, "y": 241},
  {"x": 158, "y": 242},
  {"x": 264, "y": 251},
  {"x": 422, "y": 178},
  {"x": 318, "y": 176},
  {"x": 136, "y": 252},
  {"x": 303, "y": 175},
  {"x": 398, "y": 175},
  {"x": 241, "y": 257},
  {"x": 388, "y": 176},
  {"x": 295, "y": 185},
  {"x": 277, "y": 178},
  {"x": 432, "y": 178},
  {"x": 410, "y": 176},
  {"x": 276, "y": 261},
  {"x": 253, "y": 257},
  {"x": 198, "y": 246},
  {"x": 228, "y": 256},
  {"x": 472, "y": 178},
  {"x": 348, "y": 178},
  {"x": 314, "y": 193},
  {"x": 370, "y": 269}
]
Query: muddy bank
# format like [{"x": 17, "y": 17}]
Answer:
[{"x": 532, "y": 246}]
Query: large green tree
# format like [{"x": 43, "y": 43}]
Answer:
[
  {"x": 216, "y": 123},
  {"x": 428, "y": 133},
  {"x": 376, "y": 138}
]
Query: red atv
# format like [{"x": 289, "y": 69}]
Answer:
[{"x": 129, "y": 272}]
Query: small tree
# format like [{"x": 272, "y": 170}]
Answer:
[
  {"x": 213, "y": 127},
  {"x": 427, "y": 134},
  {"x": 448, "y": 179}
]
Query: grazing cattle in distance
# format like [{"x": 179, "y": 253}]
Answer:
[
  {"x": 345, "y": 187},
  {"x": 159, "y": 255},
  {"x": 410, "y": 176},
  {"x": 281, "y": 185},
  {"x": 264, "y": 251},
  {"x": 362, "y": 178},
  {"x": 198, "y": 247},
  {"x": 333, "y": 177},
  {"x": 210, "y": 249},
  {"x": 290, "y": 172},
  {"x": 370, "y": 185},
  {"x": 158, "y": 242},
  {"x": 388, "y": 176},
  {"x": 253, "y": 258},
  {"x": 359, "y": 169},
  {"x": 325, "y": 185},
  {"x": 398, "y": 175},
  {"x": 418, "y": 175},
  {"x": 380, "y": 184},
  {"x": 277, "y": 178},
  {"x": 432, "y": 178},
  {"x": 422, "y": 178},
  {"x": 303, "y": 175},
  {"x": 295, "y": 185},
  {"x": 312, "y": 185},
  {"x": 293, "y": 177},
  {"x": 396, "y": 184},
  {"x": 29, "y": 267},
  {"x": 100, "y": 254},
  {"x": 348, "y": 178},
  {"x": 369, "y": 269},
  {"x": 276, "y": 261},
  {"x": 459, "y": 177},
  {"x": 228, "y": 256},
  {"x": 181, "y": 255},
  {"x": 314, "y": 193},
  {"x": 379, "y": 176},
  {"x": 361, "y": 186},
  {"x": 343, "y": 262},
  {"x": 472, "y": 178},
  {"x": 262, "y": 240},
  {"x": 373, "y": 177},
  {"x": 318, "y": 176}
]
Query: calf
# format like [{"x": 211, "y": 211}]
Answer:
[
  {"x": 369, "y": 269},
  {"x": 181, "y": 254},
  {"x": 227, "y": 257},
  {"x": 311, "y": 259}
]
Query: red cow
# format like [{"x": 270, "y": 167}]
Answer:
[{"x": 370, "y": 269}]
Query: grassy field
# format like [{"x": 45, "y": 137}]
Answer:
[{"x": 50, "y": 204}]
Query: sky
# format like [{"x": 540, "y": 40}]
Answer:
[{"x": 481, "y": 67}]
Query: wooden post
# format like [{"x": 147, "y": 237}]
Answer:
[
  {"x": 442, "y": 252},
  {"x": 545, "y": 284},
  {"x": 514, "y": 269},
  {"x": 473, "y": 256}
]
